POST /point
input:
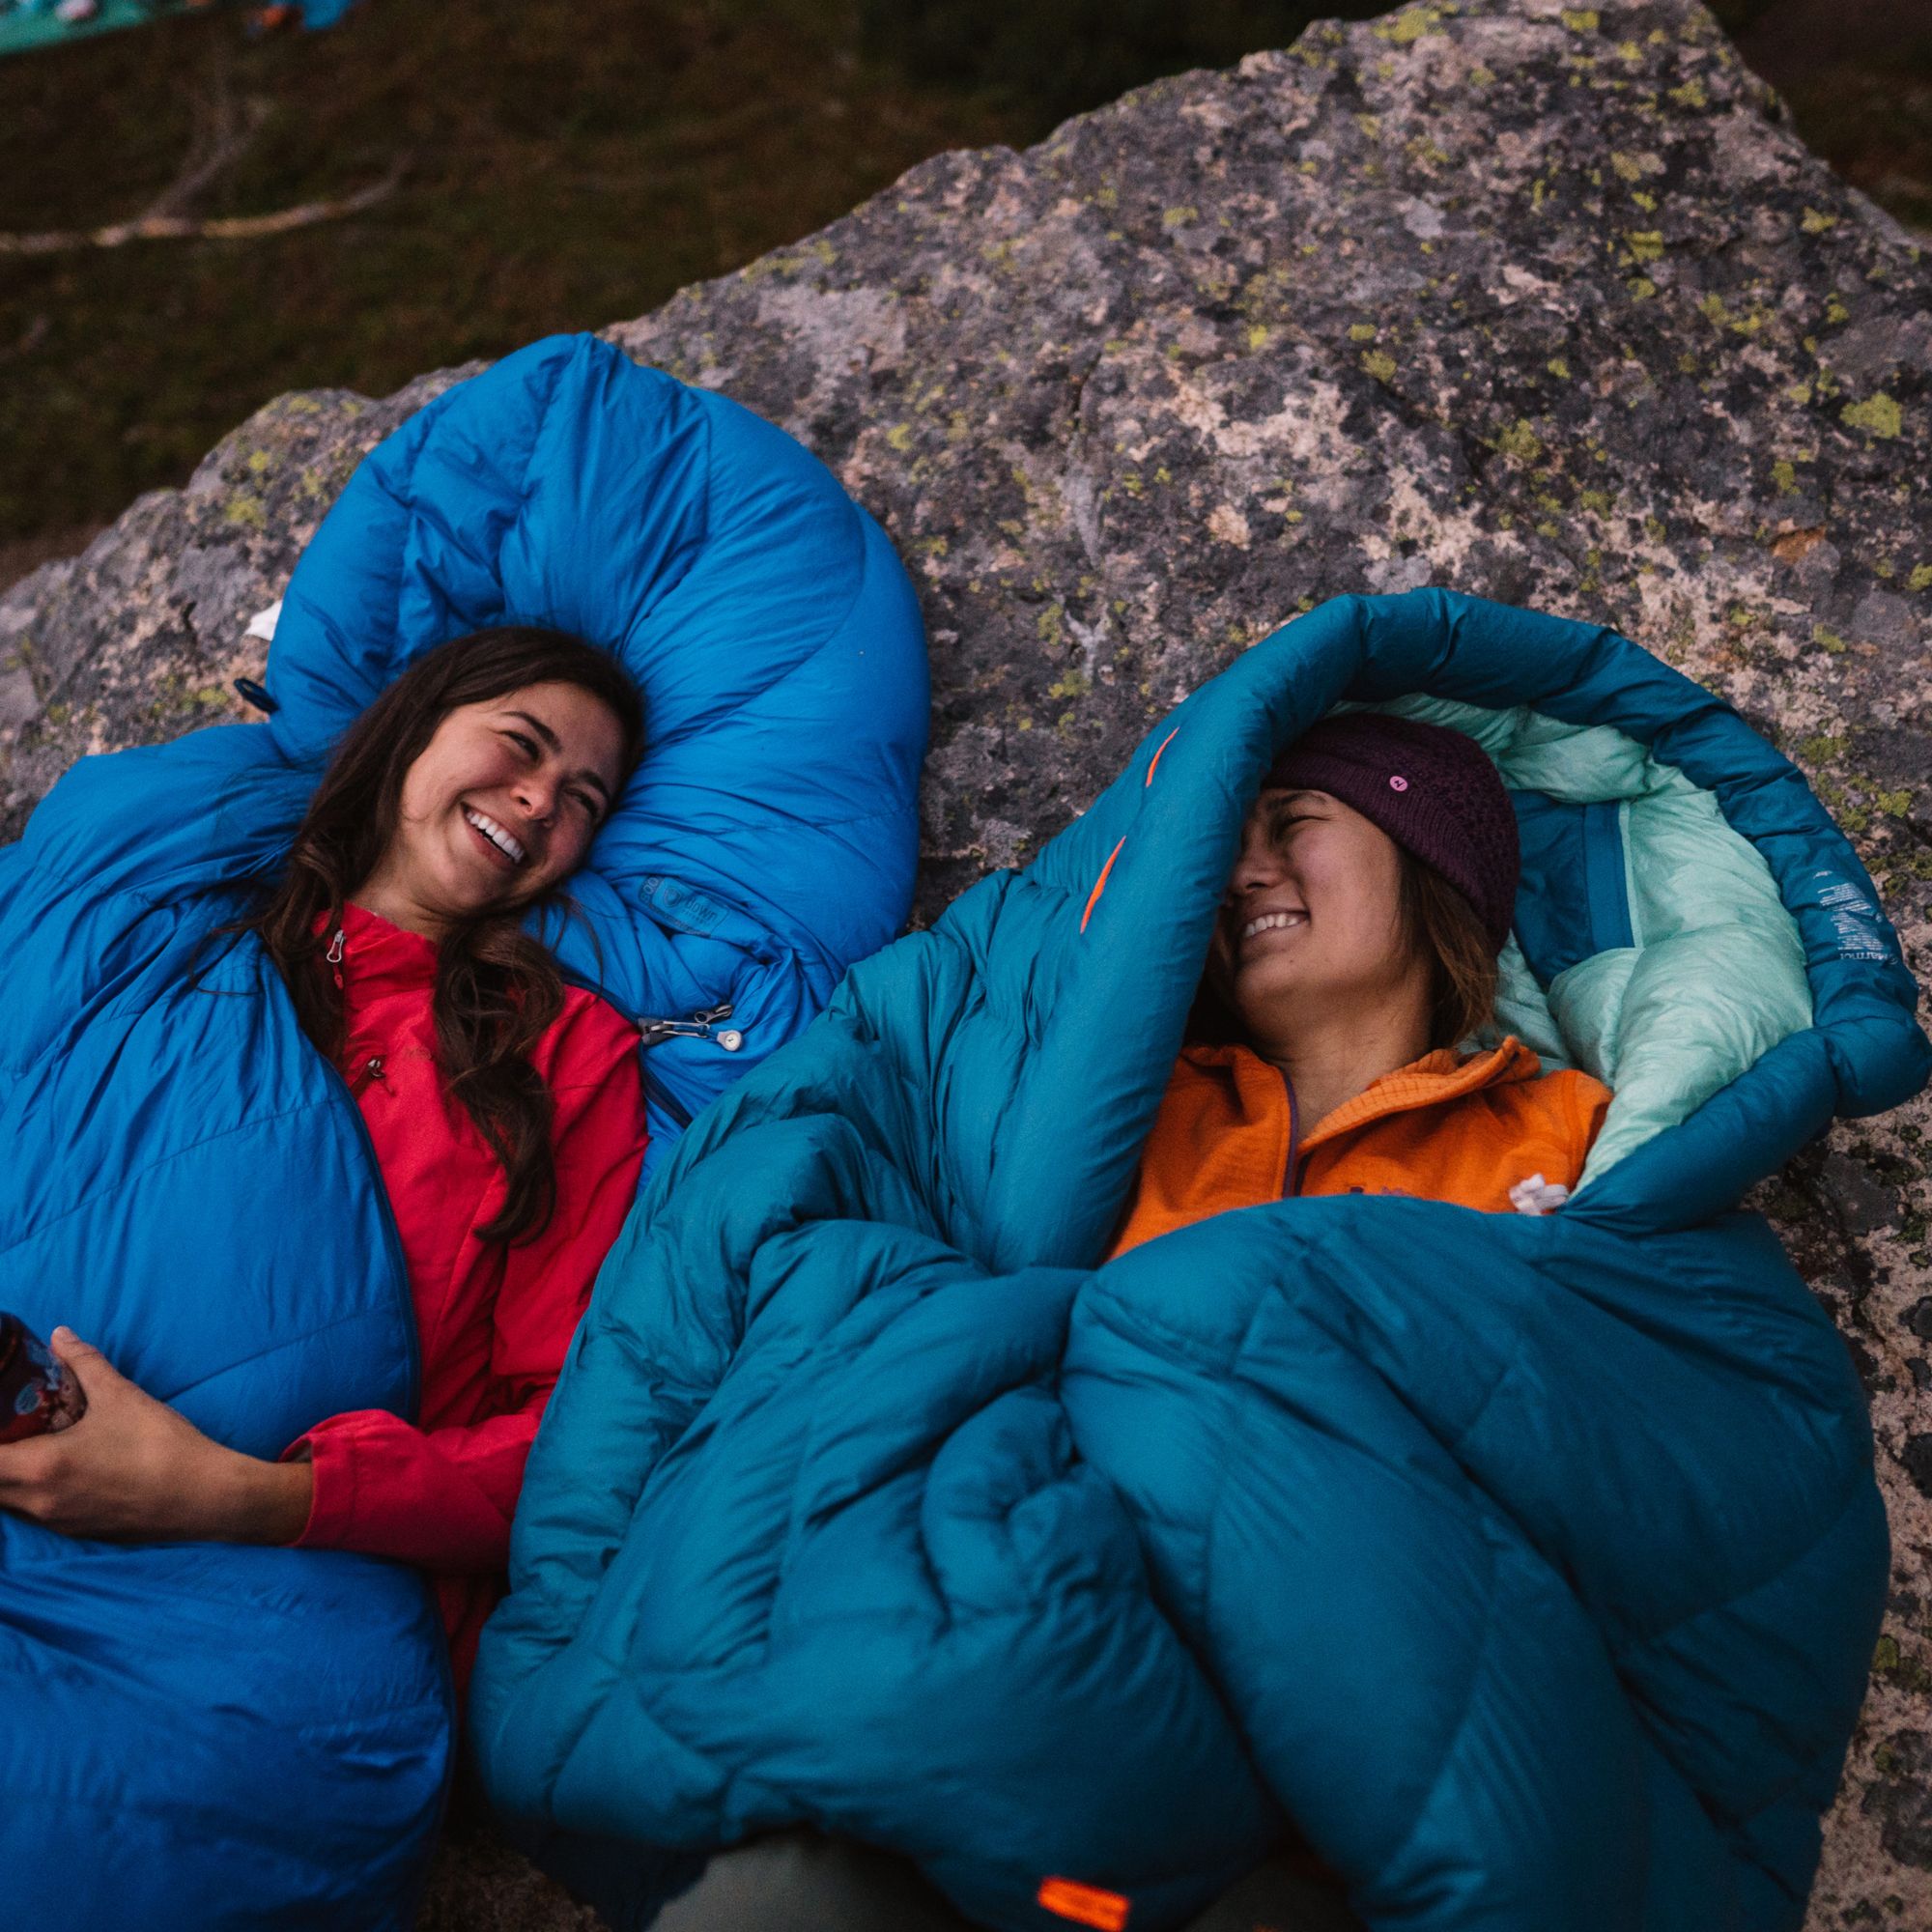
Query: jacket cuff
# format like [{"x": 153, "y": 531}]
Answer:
[{"x": 331, "y": 1507}]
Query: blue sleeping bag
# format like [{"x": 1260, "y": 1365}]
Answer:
[
  {"x": 209, "y": 1737},
  {"x": 1530, "y": 1565}
]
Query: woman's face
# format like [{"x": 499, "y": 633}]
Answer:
[
  {"x": 504, "y": 801},
  {"x": 1311, "y": 921}
]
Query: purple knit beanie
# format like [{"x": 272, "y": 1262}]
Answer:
[{"x": 1433, "y": 790}]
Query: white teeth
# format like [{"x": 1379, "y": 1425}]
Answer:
[
  {"x": 496, "y": 835},
  {"x": 1271, "y": 921}
]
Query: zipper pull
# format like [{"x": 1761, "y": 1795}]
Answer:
[
  {"x": 335, "y": 957},
  {"x": 697, "y": 1027}
]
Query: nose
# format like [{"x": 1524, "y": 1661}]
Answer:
[
  {"x": 1259, "y": 863},
  {"x": 536, "y": 796}
]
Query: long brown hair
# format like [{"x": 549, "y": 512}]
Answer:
[{"x": 496, "y": 988}]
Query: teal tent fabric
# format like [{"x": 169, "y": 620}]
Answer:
[{"x": 1530, "y": 1565}]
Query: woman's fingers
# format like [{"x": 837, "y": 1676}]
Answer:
[
  {"x": 91, "y": 1368},
  {"x": 132, "y": 1466},
  {"x": 29, "y": 1478}
]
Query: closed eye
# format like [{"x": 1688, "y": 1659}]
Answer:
[{"x": 1283, "y": 817}]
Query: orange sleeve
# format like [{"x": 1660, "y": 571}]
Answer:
[{"x": 1590, "y": 1104}]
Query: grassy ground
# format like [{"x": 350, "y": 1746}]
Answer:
[{"x": 568, "y": 163}]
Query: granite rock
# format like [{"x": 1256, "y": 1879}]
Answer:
[{"x": 1542, "y": 302}]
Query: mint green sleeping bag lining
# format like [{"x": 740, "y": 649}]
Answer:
[{"x": 1714, "y": 976}]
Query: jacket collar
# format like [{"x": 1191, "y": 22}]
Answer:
[
  {"x": 1436, "y": 1078},
  {"x": 380, "y": 957}
]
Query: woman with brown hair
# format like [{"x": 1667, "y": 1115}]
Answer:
[
  {"x": 503, "y": 1107},
  {"x": 1354, "y": 957}
]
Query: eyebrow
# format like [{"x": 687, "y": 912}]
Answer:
[{"x": 556, "y": 743}]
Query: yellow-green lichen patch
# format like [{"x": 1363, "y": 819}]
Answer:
[
  {"x": 245, "y": 512},
  {"x": 1379, "y": 364},
  {"x": 1521, "y": 442},
  {"x": 1823, "y": 634},
  {"x": 1407, "y": 26},
  {"x": 1784, "y": 476},
  {"x": 1179, "y": 218},
  {"x": 1361, "y": 332},
  {"x": 1580, "y": 19},
  {"x": 1690, "y": 95},
  {"x": 1920, "y": 578},
  {"x": 1877, "y": 416},
  {"x": 1814, "y": 221},
  {"x": 1558, "y": 368}
]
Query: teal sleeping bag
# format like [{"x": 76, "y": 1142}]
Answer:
[
  {"x": 1530, "y": 1565},
  {"x": 210, "y": 1738}
]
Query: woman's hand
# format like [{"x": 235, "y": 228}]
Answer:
[{"x": 131, "y": 1468}]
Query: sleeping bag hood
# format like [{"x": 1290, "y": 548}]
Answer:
[
  {"x": 204, "y": 1737},
  {"x": 1528, "y": 1566}
]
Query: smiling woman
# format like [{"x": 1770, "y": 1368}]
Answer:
[
  {"x": 504, "y": 1110},
  {"x": 508, "y": 790},
  {"x": 1355, "y": 956}
]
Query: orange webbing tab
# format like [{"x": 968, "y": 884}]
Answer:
[
  {"x": 1155, "y": 760},
  {"x": 1085, "y": 1904}
]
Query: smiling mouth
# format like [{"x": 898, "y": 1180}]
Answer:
[
  {"x": 1270, "y": 922},
  {"x": 496, "y": 839}
]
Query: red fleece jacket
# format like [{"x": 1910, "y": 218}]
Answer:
[{"x": 495, "y": 1323}]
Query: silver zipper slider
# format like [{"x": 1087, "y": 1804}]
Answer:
[
  {"x": 697, "y": 1027},
  {"x": 335, "y": 957}
]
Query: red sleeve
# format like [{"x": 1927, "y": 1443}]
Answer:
[{"x": 442, "y": 1498}]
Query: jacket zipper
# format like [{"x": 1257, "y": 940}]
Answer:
[
  {"x": 1291, "y": 1181},
  {"x": 392, "y": 1238}
]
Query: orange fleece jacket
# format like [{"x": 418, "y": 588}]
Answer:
[{"x": 1443, "y": 1128}]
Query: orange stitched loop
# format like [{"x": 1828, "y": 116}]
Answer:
[
  {"x": 1164, "y": 744},
  {"x": 1085, "y": 1904},
  {"x": 1100, "y": 884}
]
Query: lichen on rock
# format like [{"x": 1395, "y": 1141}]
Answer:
[{"x": 1541, "y": 303}]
